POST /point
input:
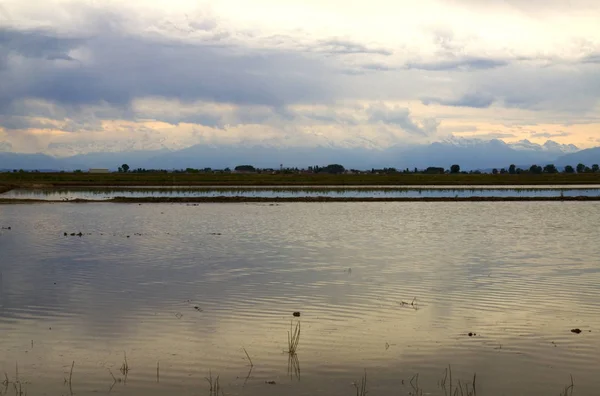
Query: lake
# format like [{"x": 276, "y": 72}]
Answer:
[
  {"x": 104, "y": 193},
  {"x": 390, "y": 288}
]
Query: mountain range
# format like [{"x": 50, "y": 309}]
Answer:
[{"x": 470, "y": 154}]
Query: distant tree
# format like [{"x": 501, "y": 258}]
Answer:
[
  {"x": 333, "y": 168},
  {"x": 580, "y": 168},
  {"x": 595, "y": 168},
  {"x": 503, "y": 171},
  {"x": 512, "y": 169},
  {"x": 494, "y": 171},
  {"x": 535, "y": 169},
  {"x": 455, "y": 169},
  {"x": 124, "y": 168},
  {"x": 434, "y": 170},
  {"x": 569, "y": 169},
  {"x": 245, "y": 168},
  {"x": 550, "y": 168}
]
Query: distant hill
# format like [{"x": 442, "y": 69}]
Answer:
[
  {"x": 470, "y": 154},
  {"x": 17, "y": 161},
  {"x": 587, "y": 157}
]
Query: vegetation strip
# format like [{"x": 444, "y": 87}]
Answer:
[
  {"x": 50, "y": 180},
  {"x": 299, "y": 199}
]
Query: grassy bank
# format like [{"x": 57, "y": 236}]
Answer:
[
  {"x": 230, "y": 179},
  {"x": 198, "y": 200},
  {"x": 5, "y": 187}
]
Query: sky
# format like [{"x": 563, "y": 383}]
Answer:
[{"x": 147, "y": 74}]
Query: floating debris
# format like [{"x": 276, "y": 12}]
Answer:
[
  {"x": 296, "y": 314},
  {"x": 576, "y": 331},
  {"x": 271, "y": 382}
]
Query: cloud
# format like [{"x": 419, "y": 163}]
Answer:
[
  {"x": 401, "y": 117},
  {"x": 5, "y": 147},
  {"x": 37, "y": 44},
  {"x": 116, "y": 68},
  {"x": 475, "y": 100},
  {"x": 592, "y": 58},
  {"x": 340, "y": 46},
  {"x": 492, "y": 135},
  {"x": 466, "y": 64},
  {"x": 549, "y": 135}
]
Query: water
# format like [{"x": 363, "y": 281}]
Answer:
[
  {"x": 103, "y": 193},
  {"x": 520, "y": 275}
]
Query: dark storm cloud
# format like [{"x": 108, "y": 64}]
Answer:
[
  {"x": 121, "y": 67},
  {"x": 478, "y": 101},
  {"x": 40, "y": 44}
]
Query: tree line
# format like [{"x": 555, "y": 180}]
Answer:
[{"x": 339, "y": 169}]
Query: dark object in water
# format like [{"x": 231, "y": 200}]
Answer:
[
  {"x": 296, "y": 313},
  {"x": 576, "y": 331},
  {"x": 472, "y": 334},
  {"x": 65, "y": 234},
  {"x": 270, "y": 382}
]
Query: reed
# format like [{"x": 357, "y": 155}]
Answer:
[
  {"x": 248, "y": 356},
  {"x": 293, "y": 338},
  {"x": 214, "y": 384},
  {"x": 361, "y": 387},
  {"x": 125, "y": 366},
  {"x": 568, "y": 390},
  {"x": 414, "y": 383}
]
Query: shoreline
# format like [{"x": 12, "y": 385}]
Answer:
[{"x": 223, "y": 199}]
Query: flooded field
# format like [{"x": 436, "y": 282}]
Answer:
[
  {"x": 152, "y": 299},
  {"x": 105, "y": 193}
]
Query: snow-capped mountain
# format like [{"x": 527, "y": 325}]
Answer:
[
  {"x": 549, "y": 146},
  {"x": 81, "y": 148}
]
